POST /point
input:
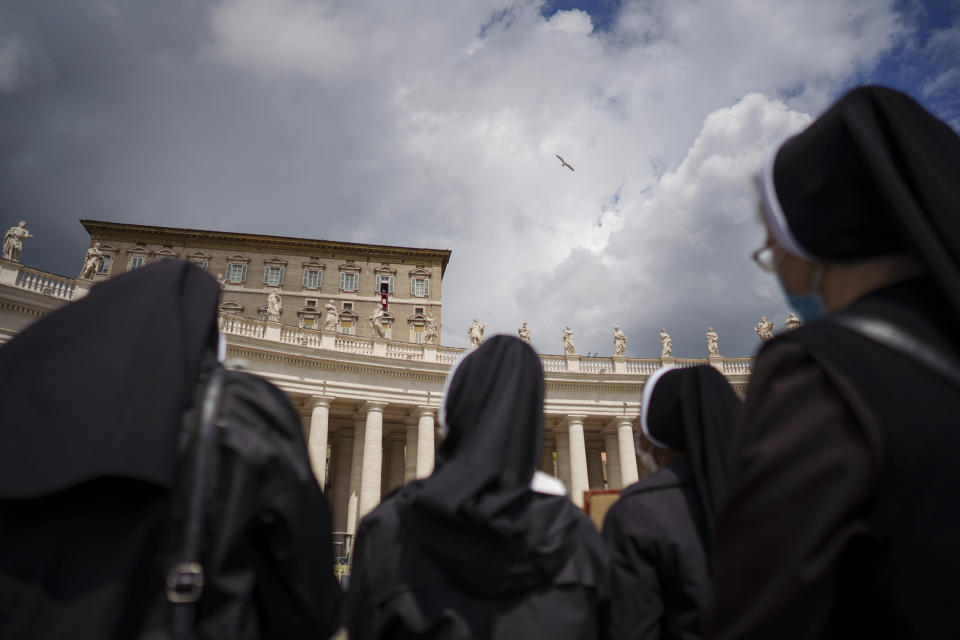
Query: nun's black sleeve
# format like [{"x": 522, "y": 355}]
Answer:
[
  {"x": 804, "y": 470},
  {"x": 636, "y": 607}
]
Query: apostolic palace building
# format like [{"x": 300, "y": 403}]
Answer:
[{"x": 303, "y": 314}]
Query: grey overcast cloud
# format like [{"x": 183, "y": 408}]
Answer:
[{"x": 436, "y": 124}]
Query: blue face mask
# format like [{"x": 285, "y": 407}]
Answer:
[{"x": 809, "y": 306}]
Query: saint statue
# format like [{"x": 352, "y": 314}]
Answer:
[
  {"x": 764, "y": 329},
  {"x": 220, "y": 280},
  {"x": 273, "y": 306},
  {"x": 713, "y": 342},
  {"x": 666, "y": 344},
  {"x": 524, "y": 333},
  {"x": 91, "y": 262},
  {"x": 430, "y": 333},
  {"x": 332, "y": 318},
  {"x": 475, "y": 333},
  {"x": 13, "y": 241},
  {"x": 792, "y": 322},
  {"x": 567, "y": 337},
  {"x": 619, "y": 342},
  {"x": 376, "y": 322}
]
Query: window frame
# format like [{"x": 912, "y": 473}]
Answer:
[{"x": 269, "y": 270}]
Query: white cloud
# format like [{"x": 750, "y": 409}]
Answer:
[
  {"x": 14, "y": 60},
  {"x": 435, "y": 123}
]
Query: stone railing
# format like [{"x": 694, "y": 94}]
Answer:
[
  {"x": 331, "y": 341},
  {"x": 43, "y": 282}
]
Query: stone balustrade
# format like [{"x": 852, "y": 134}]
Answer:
[
  {"x": 43, "y": 282},
  {"x": 331, "y": 341}
]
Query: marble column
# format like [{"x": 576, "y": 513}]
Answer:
[
  {"x": 578, "y": 458},
  {"x": 425, "y": 443},
  {"x": 563, "y": 458},
  {"x": 395, "y": 455},
  {"x": 317, "y": 442},
  {"x": 628, "y": 454},
  {"x": 410, "y": 457},
  {"x": 372, "y": 458},
  {"x": 356, "y": 469},
  {"x": 614, "y": 479},
  {"x": 340, "y": 476},
  {"x": 546, "y": 459},
  {"x": 595, "y": 465}
]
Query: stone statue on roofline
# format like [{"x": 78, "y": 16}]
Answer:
[
  {"x": 764, "y": 329},
  {"x": 430, "y": 334},
  {"x": 274, "y": 308},
  {"x": 792, "y": 322},
  {"x": 619, "y": 342},
  {"x": 566, "y": 336},
  {"x": 13, "y": 241},
  {"x": 475, "y": 333},
  {"x": 91, "y": 262},
  {"x": 332, "y": 317},
  {"x": 713, "y": 342},
  {"x": 376, "y": 322},
  {"x": 666, "y": 344},
  {"x": 524, "y": 333}
]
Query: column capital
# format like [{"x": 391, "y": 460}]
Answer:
[
  {"x": 373, "y": 405},
  {"x": 424, "y": 411},
  {"x": 319, "y": 401},
  {"x": 618, "y": 421},
  {"x": 572, "y": 418}
]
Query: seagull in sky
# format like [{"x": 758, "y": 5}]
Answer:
[{"x": 563, "y": 163}]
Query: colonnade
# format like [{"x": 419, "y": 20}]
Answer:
[{"x": 369, "y": 457}]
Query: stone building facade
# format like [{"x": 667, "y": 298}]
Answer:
[
  {"x": 368, "y": 403},
  {"x": 307, "y": 273}
]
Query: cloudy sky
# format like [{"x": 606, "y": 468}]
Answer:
[{"x": 434, "y": 123}]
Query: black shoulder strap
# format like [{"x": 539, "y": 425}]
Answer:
[
  {"x": 185, "y": 578},
  {"x": 894, "y": 338}
]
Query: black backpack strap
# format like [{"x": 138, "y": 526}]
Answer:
[
  {"x": 185, "y": 578},
  {"x": 894, "y": 338}
]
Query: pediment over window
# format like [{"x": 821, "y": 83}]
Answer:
[
  {"x": 231, "y": 307},
  {"x": 349, "y": 314},
  {"x": 138, "y": 251},
  {"x": 313, "y": 264},
  {"x": 385, "y": 270},
  {"x": 349, "y": 266},
  {"x": 237, "y": 258},
  {"x": 419, "y": 272},
  {"x": 199, "y": 256},
  {"x": 313, "y": 311},
  {"x": 275, "y": 261},
  {"x": 417, "y": 319},
  {"x": 106, "y": 248},
  {"x": 166, "y": 253}
]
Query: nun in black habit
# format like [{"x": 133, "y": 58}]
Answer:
[
  {"x": 844, "y": 513},
  {"x": 483, "y": 548},
  {"x": 98, "y": 403},
  {"x": 659, "y": 529}
]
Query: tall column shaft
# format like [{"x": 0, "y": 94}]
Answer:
[
  {"x": 563, "y": 459},
  {"x": 628, "y": 455},
  {"x": 372, "y": 459},
  {"x": 578, "y": 459},
  {"x": 356, "y": 469},
  {"x": 612, "y": 440},
  {"x": 546, "y": 459},
  {"x": 425, "y": 445},
  {"x": 410, "y": 458},
  {"x": 595, "y": 466},
  {"x": 342, "y": 459},
  {"x": 395, "y": 454},
  {"x": 317, "y": 442}
]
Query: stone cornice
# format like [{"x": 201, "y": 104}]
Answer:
[{"x": 102, "y": 230}]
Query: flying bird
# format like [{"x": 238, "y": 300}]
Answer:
[{"x": 563, "y": 163}]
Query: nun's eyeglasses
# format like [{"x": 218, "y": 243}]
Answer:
[{"x": 765, "y": 257}]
